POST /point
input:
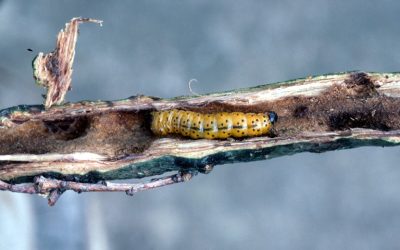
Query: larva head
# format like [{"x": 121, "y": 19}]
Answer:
[{"x": 273, "y": 117}]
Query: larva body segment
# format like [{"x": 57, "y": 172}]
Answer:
[{"x": 220, "y": 125}]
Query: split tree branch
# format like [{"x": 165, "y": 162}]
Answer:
[{"x": 77, "y": 145}]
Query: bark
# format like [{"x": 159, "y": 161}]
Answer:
[
  {"x": 92, "y": 141},
  {"x": 47, "y": 149}
]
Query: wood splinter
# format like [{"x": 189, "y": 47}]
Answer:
[{"x": 54, "y": 70}]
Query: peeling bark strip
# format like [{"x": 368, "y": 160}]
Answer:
[
  {"x": 54, "y": 70},
  {"x": 92, "y": 141}
]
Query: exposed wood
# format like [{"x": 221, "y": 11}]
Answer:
[
  {"x": 47, "y": 149},
  {"x": 92, "y": 141}
]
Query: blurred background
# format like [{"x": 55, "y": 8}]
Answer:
[{"x": 337, "y": 200}]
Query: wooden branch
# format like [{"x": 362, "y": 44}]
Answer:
[
  {"x": 76, "y": 145},
  {"x": 53, "y": 188},
  {"x": 93, "y": 141}
]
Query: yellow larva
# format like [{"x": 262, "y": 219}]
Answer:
[{"x": 212, "y": 126}]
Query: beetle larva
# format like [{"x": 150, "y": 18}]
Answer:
[{"x": 212, "y": 126}]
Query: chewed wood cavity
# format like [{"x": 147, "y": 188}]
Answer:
[{"x": 220, "y": 125}]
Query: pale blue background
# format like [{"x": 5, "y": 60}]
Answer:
[{"x": 337, "y": 200}]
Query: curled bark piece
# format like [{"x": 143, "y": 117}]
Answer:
[{"x": 54, "y": 70}]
